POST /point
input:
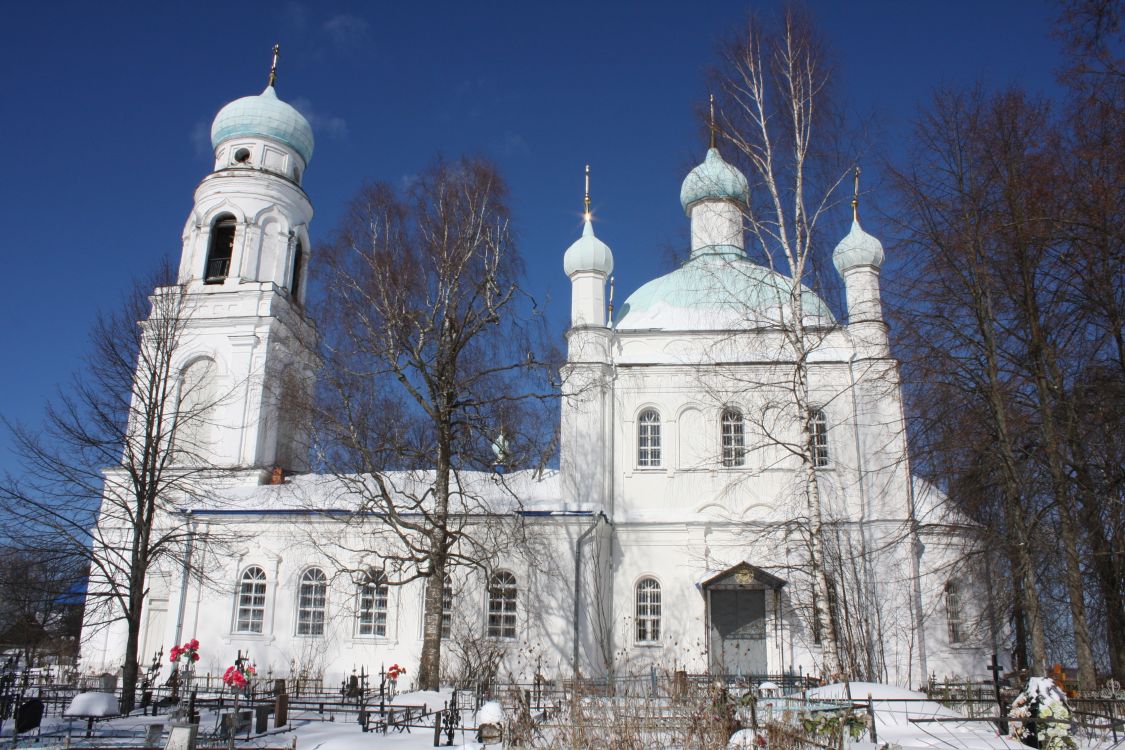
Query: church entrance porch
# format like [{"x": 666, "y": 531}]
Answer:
[{"x": 737, "y": 621}]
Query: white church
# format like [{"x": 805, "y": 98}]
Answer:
[{"x": 674, "y": 532}]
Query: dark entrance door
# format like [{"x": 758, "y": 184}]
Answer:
[{"x": 738, "y": 631}]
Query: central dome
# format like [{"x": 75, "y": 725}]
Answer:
[
  {"x": 715, "y": 293},
  {"x": 264, "y": 115}
]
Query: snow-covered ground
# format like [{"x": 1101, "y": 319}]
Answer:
[
  {"x": 308, "y": 730},
  {"x": 894, "y": 708}
]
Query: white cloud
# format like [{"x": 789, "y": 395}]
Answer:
[
  {"x": 322, "y": 122},
  {"x": 347, "y": 33}
]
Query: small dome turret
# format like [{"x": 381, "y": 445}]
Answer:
[
  {"x": 588, "y": 254},
  {"x": 265, "y": 116},
  {"x": 714, "y": 179},
  {"x": 858, "y": 248}
]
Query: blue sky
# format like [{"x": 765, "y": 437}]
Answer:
[{"x": 107, "y": 111}]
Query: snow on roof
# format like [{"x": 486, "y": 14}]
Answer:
[{"x": 475, "y": 492}]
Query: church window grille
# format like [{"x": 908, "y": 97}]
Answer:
[
  {"x": 251, "y": 601},
  {"x": 648, "y": 439},
  {"x": 447, "y": 607},
  {"x": 312, "y": 597},
  {"x": 502, "y": 605},
  {"x": 648, "y": 610},
  {"x": 733, "y": 438},
  {"x": 220, "y": 250},
  {"x": 818, "y": 425},
  {"x": 953, "y": 614},
  {"x": 373, "y": 601}
]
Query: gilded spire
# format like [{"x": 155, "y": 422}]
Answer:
[
  {"x": 855, "y": 196},
  {"x": 273, "y": 67},
  {"x": 586, "y": 202},
  {"x": 712, "y": 126}
]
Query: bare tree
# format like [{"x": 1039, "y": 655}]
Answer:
[
  {"x": 774, "y": 111},
  {"x": 38, "y": 601},
  {"x": 1013, "y": 319},
  {"x": 433, "y": 371},
  {"x": 118, "y": 449}
]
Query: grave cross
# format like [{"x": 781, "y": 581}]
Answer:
[{"x": 995, "y": 669}]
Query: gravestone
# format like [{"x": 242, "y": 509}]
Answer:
[
  {"x": 108, "y": 682},
  {"x": 29, "y": 715},
  {"x": 182, "y": 737},
  {"x": 281, "y": 710},
  {"x": 153, "y": 733}
]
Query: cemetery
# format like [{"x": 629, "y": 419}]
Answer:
[{"x": 180, "y": 709}]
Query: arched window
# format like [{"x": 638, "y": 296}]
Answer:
[
  {"x": 818, "y": 425},
  {"x": 502, "y": 605},
  {"x": 953, "y": 615},
  {"x": 648, "y": 438},
  {"x": 373, "y": 595},
  {"x": 220, "y": 250},
  {"x": 312, "y": 596},
  {"x": 446, "y": 607},
  {"x": 251, "y": 612},
  {"x": 648, "y": 610},
  {"x": 733, "y": 438},
  {"x": 298, "y": 268}
]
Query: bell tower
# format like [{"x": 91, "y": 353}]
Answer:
[{"x": 248, "y": 344}]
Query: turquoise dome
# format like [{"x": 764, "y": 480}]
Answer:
[
  {"x": 858, "y": 248},
  {"x": 588, "y": 253},
  {"x": 264, "y": 115},
  {"x": 714, "y": 179},
  {"x": 713, "y": 292}
]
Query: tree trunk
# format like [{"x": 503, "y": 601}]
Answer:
[
  {"x": 1049, "y": 390},
  {"x": 429, "y": 666}
]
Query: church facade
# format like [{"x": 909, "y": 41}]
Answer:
[{"x": 677, "y": 530}]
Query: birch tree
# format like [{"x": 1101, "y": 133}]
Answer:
[
  {"x": 773, "y": 111},
  {"x": 434, "y": 370}
]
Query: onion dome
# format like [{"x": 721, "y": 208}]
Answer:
[
  {"x": 588, "y": 254},
  {"x": 264, "y": 116},
  {"x": 858, "y": 248},
  {"x": 714, "y": 179}
]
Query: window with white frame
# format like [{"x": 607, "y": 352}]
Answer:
[
  {"x": 818, "y": 425},
  {"x": 733, "y": 438},
  {"x": 648, "y": 610},
  {"x": 312, "y": 596},
  {"x": 446, "y": 607},
  {"x": 502, "y": 605},
  {"x": 372, "y": 616},
  {"x": 648, "y": 439},
  {"x": 251, "y": 613},
  {"x": 953, "y": 614}
]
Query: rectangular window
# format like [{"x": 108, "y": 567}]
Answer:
[
  {"x": 251, "y": 602},
  {"x": 502, "y": 606},
  {"x": 372, "y": 610},
  {"x": 734, "y": 440},
  {"x": 446, "y": 608},
  {"x": 312, "y": 598},
  {"x": 819, "y": 427}
]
